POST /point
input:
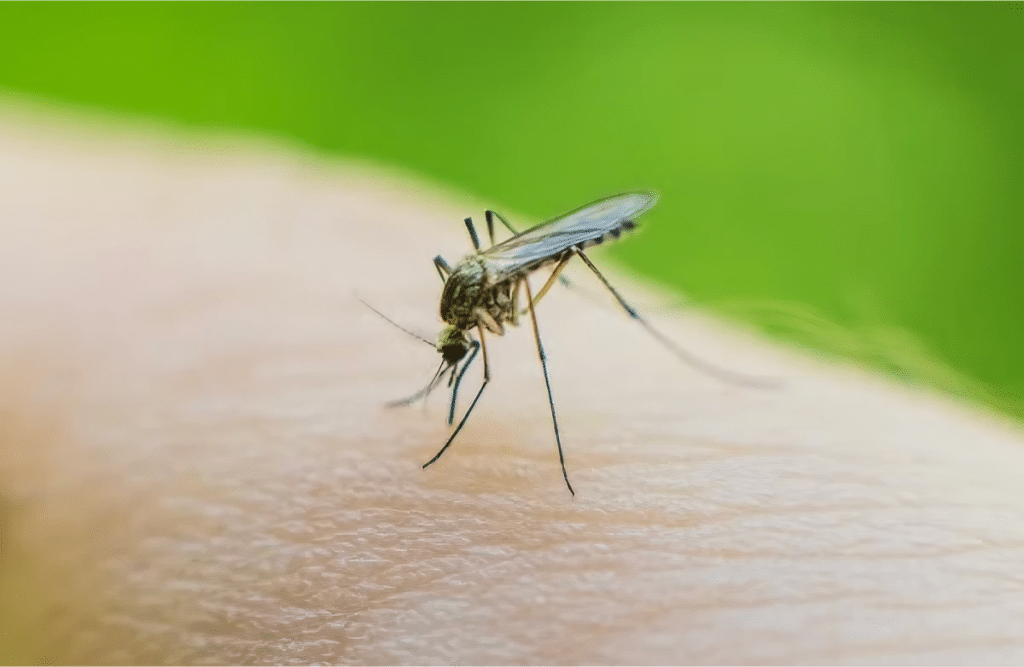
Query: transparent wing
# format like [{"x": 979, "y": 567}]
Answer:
[{"x": 585, "y": 226}]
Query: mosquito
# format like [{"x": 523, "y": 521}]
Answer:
[{"x": 482, "y": 293}]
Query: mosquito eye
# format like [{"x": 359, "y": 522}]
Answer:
[{"x": 453, "y": 352}]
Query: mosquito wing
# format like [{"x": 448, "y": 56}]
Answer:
[{"x": 586, "y": 226}]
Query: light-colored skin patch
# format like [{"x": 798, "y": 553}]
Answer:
[{"x": 197, "y": 467}]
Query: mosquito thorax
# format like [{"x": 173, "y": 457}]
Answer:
[
  {"x": 453, "y": 344},
  {"x": 472, "y": 297},
  {"x": 462, "y": 292}
]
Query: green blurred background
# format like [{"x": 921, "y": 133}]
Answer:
[{"x": 845, "y": 176}]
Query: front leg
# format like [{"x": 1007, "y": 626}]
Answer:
[
  {"x": 484, "y": 318},
  {"x": 487, "y": 378},
  {"x": 491, "y": 215},
  {"x": 515, "y": 304}
]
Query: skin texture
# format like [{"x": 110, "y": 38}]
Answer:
[{"x": 197, "y": 467}]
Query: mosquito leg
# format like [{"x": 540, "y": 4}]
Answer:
[
  {"x": 472, "y": 233},
  {"x": 458, "y": 379},
  {"x": 547, "y": 382},
  {"x": 491, "y": 215},
  {"x": 551, "y": 280},
  {"x": 442, "y": 268},
  {"x": 515, "y": 303},
  {"x": 683, "y": 355},
  {"x": 487, "y": 378}
]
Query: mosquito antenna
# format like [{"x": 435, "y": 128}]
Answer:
[
  {"x": 395, "y": 324},
  {"x": 422, "y": 393}
]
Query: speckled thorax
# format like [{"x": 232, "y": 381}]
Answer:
[{"x": 470, "y": 288}]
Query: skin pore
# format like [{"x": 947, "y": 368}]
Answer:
[{"x": 197, "y": 467}]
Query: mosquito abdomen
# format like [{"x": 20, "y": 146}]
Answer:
[{"x": 614, "y": 234}]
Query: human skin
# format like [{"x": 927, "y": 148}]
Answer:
[{"x": 198, "y": 467}]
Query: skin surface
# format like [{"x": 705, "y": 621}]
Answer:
[{"x": 197, "y": 467}]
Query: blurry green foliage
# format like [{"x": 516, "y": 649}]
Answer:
[{"x": 864, "y": 160}]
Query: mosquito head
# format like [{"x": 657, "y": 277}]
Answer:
[{"x": 453, "y": 343}]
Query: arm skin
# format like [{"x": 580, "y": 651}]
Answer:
[{"x": 197, "y": 467}]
